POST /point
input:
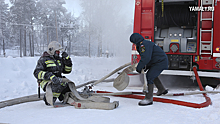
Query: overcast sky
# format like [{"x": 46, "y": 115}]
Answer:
[
  {"x": 71, "y": 5},
  {"x": 7, "y": 1}
]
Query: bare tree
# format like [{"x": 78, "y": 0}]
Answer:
[{"x": 3, "y": 19}]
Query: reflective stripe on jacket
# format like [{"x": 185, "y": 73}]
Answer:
[{"x": 48, "y": 66}]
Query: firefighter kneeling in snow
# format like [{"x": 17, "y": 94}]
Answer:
[
  {"x": 155, "y": 61},
  {"x": 50, "y": 67}
]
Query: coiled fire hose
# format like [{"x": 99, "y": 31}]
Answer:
[{"x": 37, "y": 97}]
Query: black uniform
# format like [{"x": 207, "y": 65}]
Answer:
[{"x": 49, "y": 67}]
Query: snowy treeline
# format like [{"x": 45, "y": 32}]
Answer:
[{"x": 102, "y": 29}]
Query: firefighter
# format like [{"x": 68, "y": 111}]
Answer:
[
  {"x": 50, "y": 67},
  {"x": 154, "y": 61}
]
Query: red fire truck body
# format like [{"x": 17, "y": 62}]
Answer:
[{"x": 187, "y": 30}]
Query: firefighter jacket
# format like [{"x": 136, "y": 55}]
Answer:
[
  {"x": 48, "y": 67},
  {"x": 151, "y": 54}
]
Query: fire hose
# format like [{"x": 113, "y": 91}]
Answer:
[
  {"x": 124, "y": 94},
  {"x": 39, "y": 96},
  {"x": 105, "y": 93},
  {"x": 177, "y": 102}
]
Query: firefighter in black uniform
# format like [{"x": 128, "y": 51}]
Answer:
[
  {"x": 155, "y": 61},
  {"x": 50, "y": 67}
]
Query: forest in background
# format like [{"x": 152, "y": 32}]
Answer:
[{"x": 102, "y": 29}]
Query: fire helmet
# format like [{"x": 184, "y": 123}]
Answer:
[{"x": 54, "y": 46}]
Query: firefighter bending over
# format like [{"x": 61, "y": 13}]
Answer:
[
  {"x": 155, "y": 61},
  {"x": 50, "y": 67}
]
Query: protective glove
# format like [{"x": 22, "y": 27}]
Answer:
[
  {"x": 66, "y": 59},
  {"x": 63, "y": 84},
  {"x": 64, "y": 55},
  {"x": 56, "y": 80}
]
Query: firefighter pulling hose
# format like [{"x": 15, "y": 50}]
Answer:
[{"x": 155, "y": 61}]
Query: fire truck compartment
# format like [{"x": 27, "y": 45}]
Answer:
[
  {"x": 176, "y": 24},
  {"x": 176, "y": 31},
  {"x": 186, "y": 38}
]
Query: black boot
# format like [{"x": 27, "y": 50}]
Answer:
[
  {"x": 148, "y": 100},
  {"x": 62, "y": 94},
  {"x": 160, "y": 87},
  {"x": 45, "y": 100},
  {"x": 54, "y": 99}
]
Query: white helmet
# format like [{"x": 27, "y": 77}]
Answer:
[{"x": 53, "y": 46}]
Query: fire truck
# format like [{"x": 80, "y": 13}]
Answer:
[{"x": 187, "y": 30}]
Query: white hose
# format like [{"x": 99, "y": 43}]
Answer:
[
  {"x": 190, "y": 93},
  {"x": 113, "y": 72},
  {"x": 34, "y": 97}
]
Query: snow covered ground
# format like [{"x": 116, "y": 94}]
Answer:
[{"x": 17, "y": 80}]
